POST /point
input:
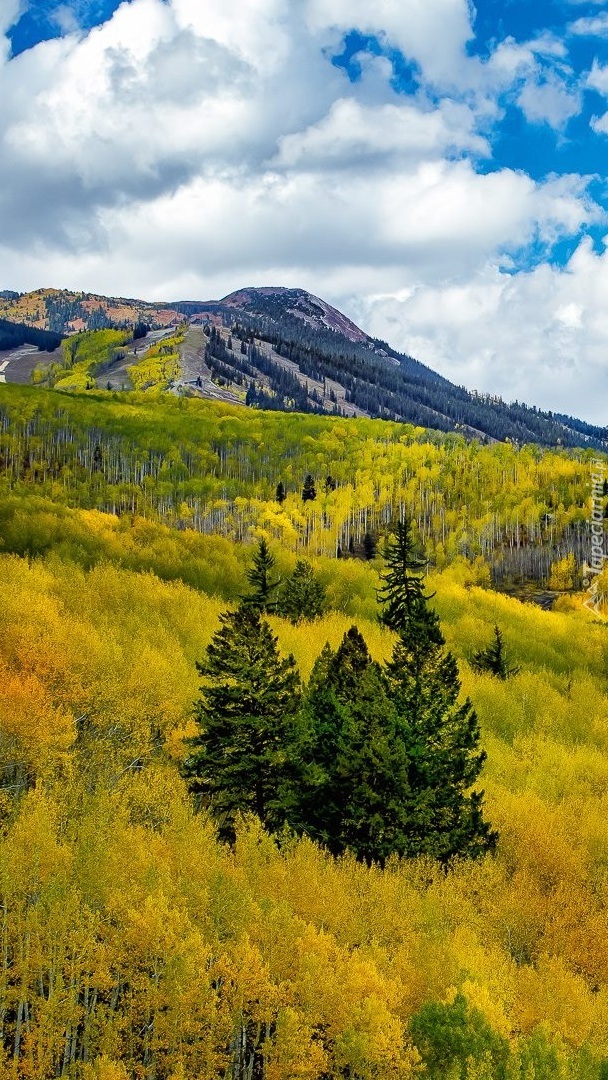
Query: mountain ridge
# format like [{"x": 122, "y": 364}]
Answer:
[{"x": 279, "y": 348}]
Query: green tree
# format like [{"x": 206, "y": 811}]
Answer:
[
  {"x": 245, "y": 716},
  {"x": 493, "y": 659},
  {"x": 259, "y": 577},
  {"x": 451, "y": 1037},
  {"x": 280, "y": 493},
  {"x": 403, "y": 597},
  {"x": 309, "y": 491},
  {"x": 442, "y": 733},
  {"x": 302, "y": 596},
  {"x": 352, "y": 789}
]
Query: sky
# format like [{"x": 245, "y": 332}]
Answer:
[{"x": 435, "y": 169}]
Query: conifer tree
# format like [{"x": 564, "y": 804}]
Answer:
[
  {"x": 259, "y": 577},
  {"x": 352, "y": 792},
  {"x": 309, "y": 491},
  {"x": 403, "y": 597},
  {"x": 280, "y": 493},
  {"x": 302, "y": 596},
  {"x": 493, "y": 659},
  {"x": 442, "y": 734},
  {"x": 370, "y": 546},
  {"x": 245, "y": 716}
]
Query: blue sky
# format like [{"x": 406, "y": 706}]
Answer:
[{"x": 436, "y": 170}]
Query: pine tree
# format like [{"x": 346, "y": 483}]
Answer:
[
  {"x": 302, "y": 596},
  {"x": 309, "y": 491},
  {"x": 246, "y": 716},
  {"x": 280, "y": 493},
  {"x": 259, "y": 577},
  {"x": 352, "y": 792},
  {"x": 442, "y": 734},
  {"x": 370, "y": 546},
  {"x": 493, "y": 659},
  {"x": 330, "y": 484}
]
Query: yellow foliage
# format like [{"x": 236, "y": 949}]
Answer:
[
  {"x": 116, "y": 894},
  {"x": 104, "y": 1069},
  {"x": 562, "y": 573}
]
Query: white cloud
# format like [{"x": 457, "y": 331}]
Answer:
[
  {"x": 538, "y": 337},
  {"x": 65, "y": 19},
  {"x": 591, "y": 26},
  {"x": 600, "y": 124},
  {"x": 352, "y": 133},
  {"x": 547, "y": 99},
  {"x": 433, "y": 33},
  {"x": 597, "y": 78}
]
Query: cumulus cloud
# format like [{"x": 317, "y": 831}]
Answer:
[
  {"x": 537, "y": 336},
  {"x": 548, "y": 99},
  {"x": 352, "y": 133}
]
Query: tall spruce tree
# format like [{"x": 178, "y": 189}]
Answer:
[
  {"x": 352, "y": 789},
  {"x": 259, "y": 576},
  {"x": 302, "y": 596},
  {"x": 442, "y": 733},
  {"x": 246, "y": 722}
]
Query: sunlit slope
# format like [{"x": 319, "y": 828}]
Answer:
[
  {"x": 215, "y": 468},
  {"x": 97, "y": 683}
]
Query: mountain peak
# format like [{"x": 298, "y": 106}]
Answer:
[{"x": 276, "y": 300}]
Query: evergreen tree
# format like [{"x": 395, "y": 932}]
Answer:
[
  {"x": 370, "y": 546},
  {"x": 352, "y": 790},
  {"x": 493, "y": 659},
  {"x": 403, "y": 596},
  {"x": 280, "y": 494},
  {"x": 442, "y": 734},
  {"x": 259, "y": 577},
  {"x": 309, "y": 491},
  {"x": 302, "y": 596},
  {"x": 245, "y": 715},
  {"x": 330, "y": 484}
]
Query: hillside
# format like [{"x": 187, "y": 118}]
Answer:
[
  {"x": 64, "y": 312},
  {"x": 135, "y": 943},
  {"x": 288, "y": 350}
]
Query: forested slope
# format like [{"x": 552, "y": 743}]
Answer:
[
  {"x": 134, "y": 943},
  {"x": 215, "y": 468}
]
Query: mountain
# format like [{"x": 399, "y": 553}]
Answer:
[
  {"x": 313, "y": 311},
  {"x": 287, "y": 349}
]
